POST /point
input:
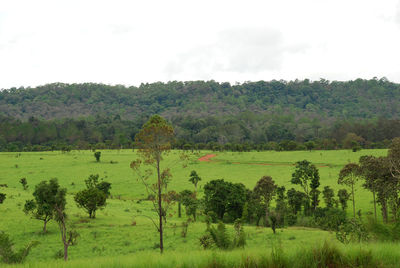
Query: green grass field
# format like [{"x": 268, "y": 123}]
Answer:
[{"x": 113, "y": 233}]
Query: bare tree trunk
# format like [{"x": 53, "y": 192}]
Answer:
[
  {"x": 44, "y": 226},
  {"x": 65, "y": 252},
  {"x": 160, "y": 210},
  {"x": 373, "y": 193},
  {"x": 354, "y": 204}
]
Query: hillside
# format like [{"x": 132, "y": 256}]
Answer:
[
  {"x": 352, "y": 99},
  {"x": 256, "y": 113}
]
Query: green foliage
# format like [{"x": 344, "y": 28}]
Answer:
[
  {"x": 225, "y": 198},
  {"x": 24, "y": 183},
  {"x": 194, "y": 178},
  {"x": 97, "y": 155},
  {"x": 307, "y": 176},
  {"x": 219, "y": 237},
  {"x": 353, "y": 230},
  {"x": 329, "y": 196},
  {"x": 2, "y": 197},
  {"x": 343, "y": 197},
  {"x": 94, "y": 196},
  {"x": 329, "y": 218},
  {"x": 7, "y": 253},
  {"x": 44, "y": 202}
]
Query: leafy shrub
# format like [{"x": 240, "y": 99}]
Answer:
[
  {"x": 329, "y": 218},
  {"x": 7, "y": 254}
]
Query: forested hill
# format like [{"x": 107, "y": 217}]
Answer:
[{"x": 323, "y": 99}]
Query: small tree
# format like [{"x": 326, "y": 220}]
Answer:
[
  {"x": 7, "y": 253},
  {"x": 68, "y": 237},
  {"x": 2, "y": 198},
  {"x": 42, "y": 206},
  {"x": 265, "y": 190},
  {"x": 188, "y": 199},
  {"x": 307, "y": 176},
  {"x": 329, "y": 196},
  {"x": 194, "y": 178},
  {"x": 343, "y": 196},
  {"x": 295, "y": 200},
  {"x": 154, "y": 141},
  {"x": 94, "y": 196},
  {"x": 24, "y": 183},
  {"x": 97, "y": 155},
  {"x": 349, "y": 175},
  {"x": 309, "y": 145}
]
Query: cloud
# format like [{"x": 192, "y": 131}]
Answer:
[
  {"x": 398, "y": 13},
  {"x": 241, "y": 50}
]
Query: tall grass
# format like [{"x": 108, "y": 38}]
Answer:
[{"x": 323, "y": 255}]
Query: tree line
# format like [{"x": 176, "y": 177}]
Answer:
[{"x": 243, "y": 132}]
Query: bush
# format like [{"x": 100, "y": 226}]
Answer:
[
  {"x": 7, "y": 254},
  {"x": 329, "y": 218}
]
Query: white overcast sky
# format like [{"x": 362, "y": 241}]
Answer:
[{"x": 130, "y": 42}]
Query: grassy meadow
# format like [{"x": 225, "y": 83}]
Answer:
[{"x": 119, "y": 230}]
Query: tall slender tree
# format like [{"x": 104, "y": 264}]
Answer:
[
  {"x": 307, "y": 176},
  {"x": 154, "y": 141},
  {"x": 349, "y": 175}
]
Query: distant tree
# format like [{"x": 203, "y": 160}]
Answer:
[
  {"x": 97, "y": 155},
  {"x": 349, "y": 175},
  {"x": 24, "y": 183},
  {"x": 371, "y": 171},
  {"x": 154, "y": 140},
  {"x": 352, "y": 141},
  {"x": 264, "y": 191},
  {"x": 225, "y": 199},
  {"x": 310, "y": 145},
  {"x": 194, "y": 178},
  {"x": 394, "y": 160},
  {"x": 307, "y": 176},
  {"x": 343, "y": 196},
  {"x": 281, "y": 205},
  {"x": 329, "y": 196},
  {"x": 295, "y": 200},
  {"x": 94, "y": 196},
  {"x": 42, "y": 206},
  {"x": 2, "y": 198},
  {"x": 189, "y": 200}
]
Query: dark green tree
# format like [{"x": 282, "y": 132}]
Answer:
[
  {"x": 295, "y": 200},
  {"x": 307, "y": 176},
  {"x": 189, "y": 200},
  {"x": 264, "y": 191},
  {"x": 2, "y": 198},
  {"x": 329, "y": 196},
  {"x": 97, "y": 155},
  {"x": 343, "y": 197},
  {"x": 349, "y": 175},
  {"x": 42, "y": 206},
  {"x": 225, "y": 198},
  {"x": 194, "y": 178},
  {"x": 24, "y": 183},
  {"x": 94, "y": 197}
]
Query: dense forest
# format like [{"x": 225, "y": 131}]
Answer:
[{"x": 279, "y": 115}]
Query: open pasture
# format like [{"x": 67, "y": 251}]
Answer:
[{"x": 119, "y": 229}]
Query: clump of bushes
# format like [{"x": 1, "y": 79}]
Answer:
[
  {"x": 218, "y": 237},
  {"x": 7, "y": 253}
]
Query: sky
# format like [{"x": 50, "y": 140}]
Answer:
[{"x": 134, "y": 42}]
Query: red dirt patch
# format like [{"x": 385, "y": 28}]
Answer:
[{"x": 206, "y": 158}]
